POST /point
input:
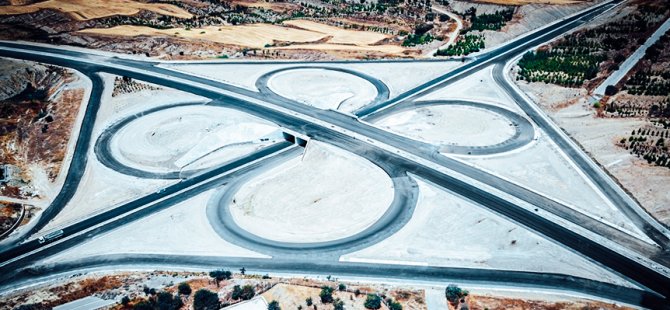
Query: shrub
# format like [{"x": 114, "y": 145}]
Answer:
[
  {"x": 184, "y": 289},
  {"x": 326, "y": 294},
  {"x": 373, "y": 302},
  {"x": 274, "y": 305},
  {"x": 205, "y": 300}
]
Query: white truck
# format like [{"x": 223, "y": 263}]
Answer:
[{"x": 50, "y": 236}]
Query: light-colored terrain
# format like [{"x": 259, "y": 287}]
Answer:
[
  {"x": 295, "y": 34},
  {"x": 339, "y": 35},
  {"x": 313, "y": 198},
  {"x": 540, "y": 166},
  {"x": 450, "y": 125},
  {"x": 92, "y": 9},
  {"x": 598, "y": 137},
  {"x": 187, "y": 137},
  {"x": 189, "y": 233},
  {"x": 447, "y": 230},
  {"x": 324, "y": 89}
]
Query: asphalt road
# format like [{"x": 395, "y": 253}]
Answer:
[
  {"x": 619, "y": 263},
  {"x": 615, "y": 261}
]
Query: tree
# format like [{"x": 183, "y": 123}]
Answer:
[
  {"x": 220, "y": 275},
  {"x": 166, "y": 301},
  {"x": 338, "y": 304},
  {"x": 274, "y": 305},
  {"x": 455, "y": 293},
  {"x": 205, "y": 300},
  {"x": 326, "y": 294},
  {"x": 308, "y": 301},
  {"x": 341, "y": 287},
  {"x": 611, "y": 90},
  {"x": 394, "y": 305},
  {"x": 245, "y": 293},
  {"x": 143, "y": 305},
  {"x": 243, "y": 271},
  {"x": 125, "y": 300},
  {"x": 373, "y": 302},
  {"x": 184, "y": 289}
]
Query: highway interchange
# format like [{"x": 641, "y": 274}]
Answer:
[{"x": 633, "y": 259}]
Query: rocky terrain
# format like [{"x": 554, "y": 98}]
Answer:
[{"x": 39, "y": 105}]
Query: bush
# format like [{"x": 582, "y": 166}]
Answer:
[
  {"x": 373, "y": 302},
  {"x": 326, "y": 294},
  {"x": 341, "y": 287},
  {"x": 184, "y": 289},
  {"x": 308, "y": 301},
  {"x": 205, "y": 300},
  {"x": 245, "y": 293},
  {"x": 611, "y": 90},
  {"x": 338, "y": 304},
  {"x": 394, "y": 305},
  {"x": 454, "y": 293},
  {"x": 125, "y": 300},
  {"x": 220, "y": 275},
  {"x": 166, "y": 301},
  {"x": 274, "y": 305}
]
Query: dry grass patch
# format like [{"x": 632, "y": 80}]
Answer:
[
  {"x": 339, "y": 35},
  {"x": 92, "y": 9},
  {"x": 254, "y": 36}
]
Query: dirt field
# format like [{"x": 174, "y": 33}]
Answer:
[
  {"x": 92, "y": 9},
  {"x": 339, "y": 35},
  {"x": 312, "y": 36}
]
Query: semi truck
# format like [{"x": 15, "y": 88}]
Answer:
[{"x": 50, "y": 236}]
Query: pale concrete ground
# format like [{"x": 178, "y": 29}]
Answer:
[
  {"x": 540, "y": 166},
  {"x": 102, "y": 188},
  {"x": 182, "y": 229},
  {"x": 323, "y": 89},
  {"x": 479, "y": 87},
  {"x": 175, "y": 138},
  {"x": 447, "y": 230},
  {"x": 245, "y": 75},
  {"x": 450, "y": 125},
  {"x": 256, "y": 303},
  {"x": 326, "y": 194},
  {"x": 435, "y": 299}
]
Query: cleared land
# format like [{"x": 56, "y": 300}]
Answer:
[
  {"x": 324, "y": 89},
  {"x": 339, "y": 35},
  {"x": 491, "y": 242},
  {"x": 450, "y": 125},
  {"x": 92, "y": 9},
  {"x": 293, "y": 203},
  {"x": 178, "y": 137}
]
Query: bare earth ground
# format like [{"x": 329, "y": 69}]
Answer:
[
  {"x": 91, "y": 9},
  {"x": 290, "y": 293},
  {"x": 39, "y": 107},
  {"x": 598, "y": 136}
]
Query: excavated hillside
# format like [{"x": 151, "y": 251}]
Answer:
[{"x": 38, "y": 106}]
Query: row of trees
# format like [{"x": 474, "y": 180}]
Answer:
[
  {"x": 469, "y": 43},
  {"x": 565, "y": 67},
  {"x": 494, "y": 21}
]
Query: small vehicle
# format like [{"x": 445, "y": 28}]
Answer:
[{"x": 50, "y": 236}]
